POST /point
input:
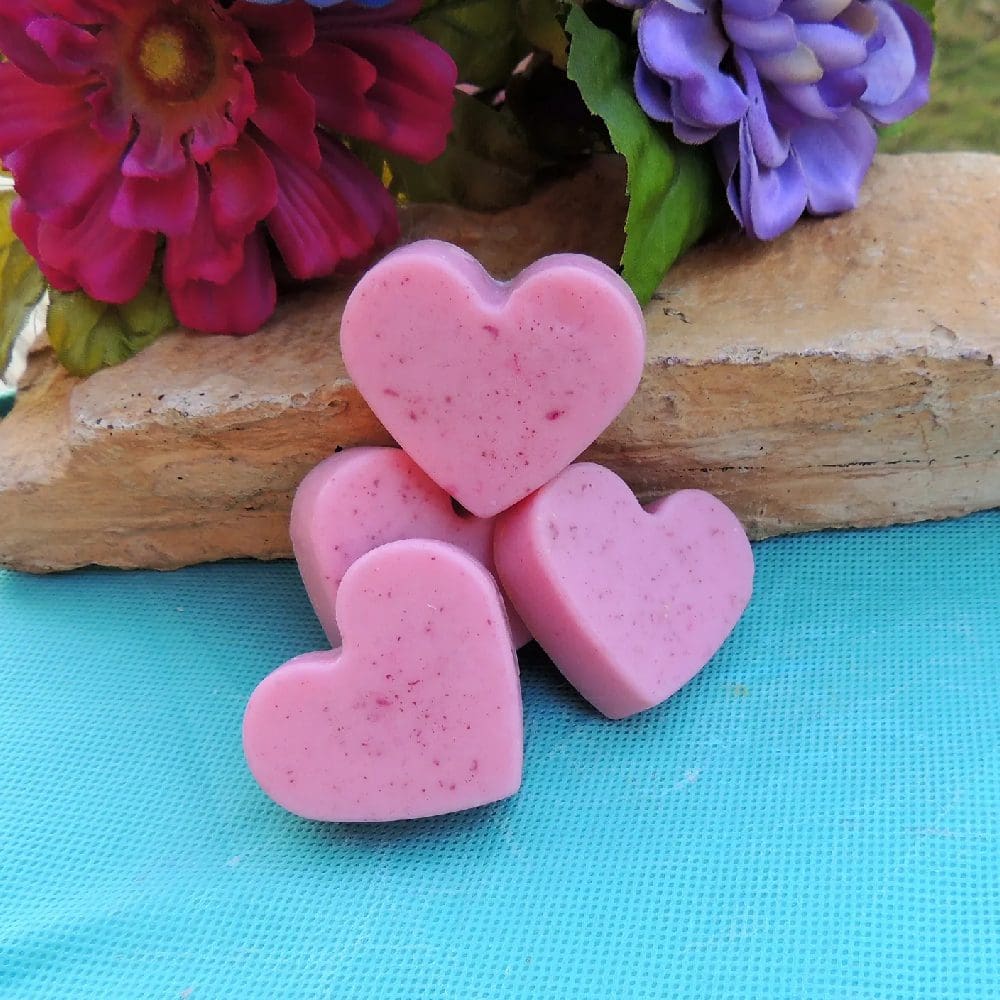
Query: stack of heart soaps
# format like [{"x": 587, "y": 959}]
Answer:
[{"x": 430, "y": 564}]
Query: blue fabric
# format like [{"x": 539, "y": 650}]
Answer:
[{"x": 815, "y": 816}]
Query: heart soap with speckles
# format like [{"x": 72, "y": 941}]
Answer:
[
  {"x": 629, "y": 603},
  {"x": 418, "y": 714},
  {"x": 492, "y": 388},
  {"x": 365, "y": 497}
]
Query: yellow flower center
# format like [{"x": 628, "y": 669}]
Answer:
[
  {"x": 162, "y": 55},
  {"x": 175, "y": 56}
]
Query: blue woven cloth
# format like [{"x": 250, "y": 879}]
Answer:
[{"x": 815, "y": 816}]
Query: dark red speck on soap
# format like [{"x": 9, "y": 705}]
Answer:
[{"x": 554, "y": 414}]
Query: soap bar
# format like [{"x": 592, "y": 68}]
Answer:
[
  {"x": 418, "y": 714},
  {"x": 492, "y": 388},
  {"x": 629, "y": 603},
  {"x": 359, "y": 499}
]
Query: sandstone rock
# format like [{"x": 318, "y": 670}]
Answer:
[{"x": 844, "y": 375}]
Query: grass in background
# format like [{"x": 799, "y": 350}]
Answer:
[{"x": 964, "y": 111}]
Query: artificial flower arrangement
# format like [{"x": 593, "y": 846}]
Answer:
[{"x": 188, "y": 161}]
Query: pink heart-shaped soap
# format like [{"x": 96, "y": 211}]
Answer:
[
  {"x": 359, "y": 499},
  {"x": 629, "y": 603},
  {"x": 419, "y": 713},
  {"x": 492, "y": 388}
]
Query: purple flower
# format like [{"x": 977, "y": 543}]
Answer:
[{"x": 787, "y": 90}]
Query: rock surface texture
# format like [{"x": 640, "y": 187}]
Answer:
[{"x": 845, "y": 375}]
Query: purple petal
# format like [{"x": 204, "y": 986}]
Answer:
[
  {"x": 841, "y": 88},
  {"x": 775, "y": 34},
  {"x": 656, "y": 99},
  {"x": 917, "y": 92},
  {"x": 861, "y": 20},
  {"x": 678, "y": 44},
  {"x": 835, "y": 48},
  {"x": 727, "y": 157},
  {"x": 686, "y": 49},
  {"x": 691, "y": 6},
  {"x": 771, "y": 198},
  {"x": 816, "y": 11},
  {"x": 750, "y": 8},
  {"x": 891, "y": 69},
  {"x": 834, "y": 157},
  {"x": 796, "y": 67},
  {"x": 807, "y": 99},
  {"x": 770, "y": 147}
]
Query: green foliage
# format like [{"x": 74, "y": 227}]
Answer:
[
  {"x": 965, "y": 85},
  {"x": 488, "y": 38},
  {"x": 482, "y": 37},
  {"x": 88, "y": 335},
  {"x": 488, "y": 165},
  {"x": 21, "y": 283},
  {"x": 541, "y": 27},
  {"x": 673, "y": 188}
]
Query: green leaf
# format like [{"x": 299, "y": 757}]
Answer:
[
  {"x": 87, "y": 335},
  {"x": 673, "y": 189},
  {"x": 21, "y": 283},
  {"x": 480, "y": 35},
  {"x": 488, "y": 164},
  {"x": 541, "y": 27}
]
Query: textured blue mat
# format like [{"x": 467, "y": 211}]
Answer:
[{"x": 815, "y": 816}]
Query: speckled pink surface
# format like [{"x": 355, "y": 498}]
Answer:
[
  {"x": 629, "y": 603},
  {"x": 365, "y": 497},
  {"x": 418, "y": 714},
  {"x": 492, "y": 388}
]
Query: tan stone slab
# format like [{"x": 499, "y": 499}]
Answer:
[{"x": 843, "y": 375}]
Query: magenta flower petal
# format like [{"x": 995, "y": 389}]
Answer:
[
  {"x": 206, "y": 125},
  {"x": 341, "y": 214},
  {"x": 31, "y": 111},
  {"x": 166, "y": 205},
  {"x": 288, "y": 31},
  {"x": 202, "y": 253},
  {"x": 16, "y": 17},
  {"x": 72, "y": 50},
  {"x": 237, "y": 306},
  {"x": 25, "y": 225},
  {"x": 108, "y": 262},
  {"x": 347, "y": 15},
  {"x": 286, "y": 114},
  {"x": 408, "y": 106},
  {"x": 60, "y": 174},
  {"x": 340, "y": 81},
  {"x": 244, "y": 188}
]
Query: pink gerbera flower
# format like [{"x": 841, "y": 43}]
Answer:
[{"x": 213, "y": 129}]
